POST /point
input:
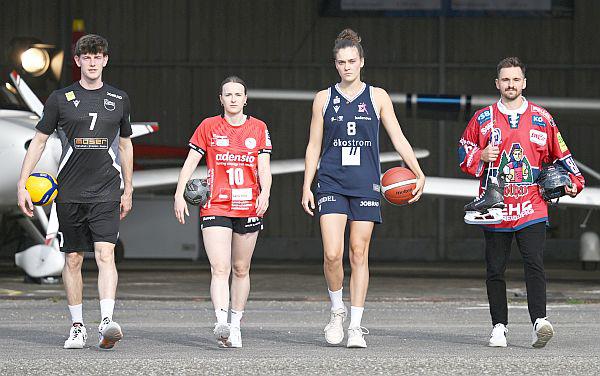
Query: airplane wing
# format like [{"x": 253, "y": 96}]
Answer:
[
  {"x": 169, "y": 176},
  {"x": 28, "y": 96},
  {"x": 140, "y": 129},
  {"x": 467, "y": 189}
]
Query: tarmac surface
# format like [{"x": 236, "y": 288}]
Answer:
[{"x": 429, "y": 319}]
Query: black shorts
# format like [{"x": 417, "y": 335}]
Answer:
[
  {"x": 81, "y": 225},
  {"x": 242, "y": 225}
]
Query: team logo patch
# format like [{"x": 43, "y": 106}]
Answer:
[
  {"x": 250, "y": 143},
  {"x": 70, "y": 96},
  {"x": 538, "y": 137},
  {"x": 362, "y": 107},
  {"x": 109, "y": 105},
  {"x": 484, "y": 117},
  {"x": 336, "y": 100},
  {"x": 514, "y": 120},
  {"x": 538, "y": 120},
  {"x": 561, "y": 143},
  {"x": 515, "y": 166}
]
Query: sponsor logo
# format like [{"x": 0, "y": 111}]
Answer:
[
  {"x": 515, "y": 190},
  {"x": 484, "y": 117},
  {"x": 538, "y": 120},
  {"x": 250, "y": 143},
  {"x": 362, "y": 118},
  {"x": 113, "y": 95},
  {"x": 326, "y": 199},
  {"x": 485, "y": 129},
  {"x": 70, "y": 96},
  {"x": 515, "y": 166},
  {"x": 109, "y": 105},
  {"x": 229, "y": 157},
  {"x": 369, "y": 203},
  {"x": 350, "y": 156},
  {"x": 362, "y": 107},
  {"x": 219, "y": 140},
  {"x": 544, "y": 113},
  {"x": 516, "y": 211},
  {"x": 241, "y": 194},
  {"x": 76, "y": 102},
  {"x": 376, "y": 187},
  {"x": 211, "y": 218},
  {"x": 561, "y": 143},
  {"x": 267, "y": 138},
  {"x": 538, "y": 137},
  {"x": 336, "y": 100},
  {"x": 336, "y": 108},
  {"x": 90, "y": 143},
  {"x": 339, "y": 142}
]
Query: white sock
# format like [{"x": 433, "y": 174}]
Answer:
[
  {"x": 336, "y": 299},
  {"x": 221, "y": 316},
  {"x": 236, "y": 318},
  {"x": 76, "y": 313},
  {"x": 107, "y": 306},
  {"x": 355, "y": 316}
]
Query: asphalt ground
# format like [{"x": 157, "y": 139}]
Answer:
[{"x": 428, "y": 319}]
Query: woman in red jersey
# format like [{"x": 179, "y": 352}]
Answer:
[{"x": 237, "y": 149}]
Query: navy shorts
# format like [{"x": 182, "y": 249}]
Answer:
[
  {"x": 81, "y": 225},
  {"x": 242, "y": 225},
  {"x": 356, "y": 208}
]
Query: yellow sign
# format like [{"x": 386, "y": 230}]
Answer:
[
  {"x": 561, "y": 143},
  {"x": 70, "y": 96}
]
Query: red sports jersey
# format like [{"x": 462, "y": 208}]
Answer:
[
  {"x": 232, "y": 160},
  {"x": 527, "y": 139}
]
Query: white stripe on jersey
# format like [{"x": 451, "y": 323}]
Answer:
[
  {"x": 373, "y": 101},
  {"x": 65, "y": 159},
  {"x": 115, "y": 164},
  {"x": 327, "y": 101}
]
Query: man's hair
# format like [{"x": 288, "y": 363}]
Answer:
[
  {"x": 91, "y": 44},
  {"x": 509, "y": 62}
]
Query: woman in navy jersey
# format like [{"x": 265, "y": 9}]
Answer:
[{"x": 345, "y": 122}]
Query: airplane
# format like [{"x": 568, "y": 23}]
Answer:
[{"x": 20, "y": 110}]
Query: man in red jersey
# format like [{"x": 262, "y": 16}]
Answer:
[
  {"x": 237, "y": 149},
  {"x": 525, "y": 137}
]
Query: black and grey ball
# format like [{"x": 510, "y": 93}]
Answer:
[{"x": 197, "y": 192}]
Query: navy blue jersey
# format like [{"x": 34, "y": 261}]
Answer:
[{"x": 350, "y": 160}]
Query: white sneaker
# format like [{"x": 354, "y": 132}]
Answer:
[
  {"x": 109, "y": 333},
  {"x": 235, "y": 336},
  {"x": 498, "y": 336},
  {"x": 334, "y": 331},
  {"x": 77, "y": 337},
  {"x": 222, "y": 332},
  {"x": 355, "y": 337},
  {"x": 542, "y": 332}
]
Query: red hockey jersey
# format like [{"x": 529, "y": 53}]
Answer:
[
  {"x": 527, "y": 138},
  {"x": 232, "y": 161}
]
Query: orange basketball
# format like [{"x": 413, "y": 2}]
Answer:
[{"x": 397, "y": 185}]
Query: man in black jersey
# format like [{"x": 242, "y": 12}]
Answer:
[{"x": 92, "y": 121}]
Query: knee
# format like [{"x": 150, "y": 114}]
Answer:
[
  {"x": 241, "y": 270},
  {"x": 220, "y": 271},
  {"x": 359, "y": 253},
  {"x": 105, "y": 256},
  {"x": 73, "y": 261},
  {"x": 332, "y": 258}
]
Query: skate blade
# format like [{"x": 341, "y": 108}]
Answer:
[{"x": 492, "y": 217}]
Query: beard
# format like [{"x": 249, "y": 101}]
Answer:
[{"x": 511, "y": 94}]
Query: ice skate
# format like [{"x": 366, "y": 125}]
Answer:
[{"x": 487, "y": 208}]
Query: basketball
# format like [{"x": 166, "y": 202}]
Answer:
[
  {"x": 197, "y": 192},
  {"x": 397, "y": 185},
  {"x": 42, "y": 188}
]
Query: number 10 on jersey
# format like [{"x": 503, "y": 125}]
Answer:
[{"x": 236, "y": 176}]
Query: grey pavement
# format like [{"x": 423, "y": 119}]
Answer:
[{"x": 423, "y": 319}]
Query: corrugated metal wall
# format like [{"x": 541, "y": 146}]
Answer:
[{"x": 170, "y": 57}]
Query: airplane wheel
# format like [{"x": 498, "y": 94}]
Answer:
[{"x": 119, "y": 251}]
